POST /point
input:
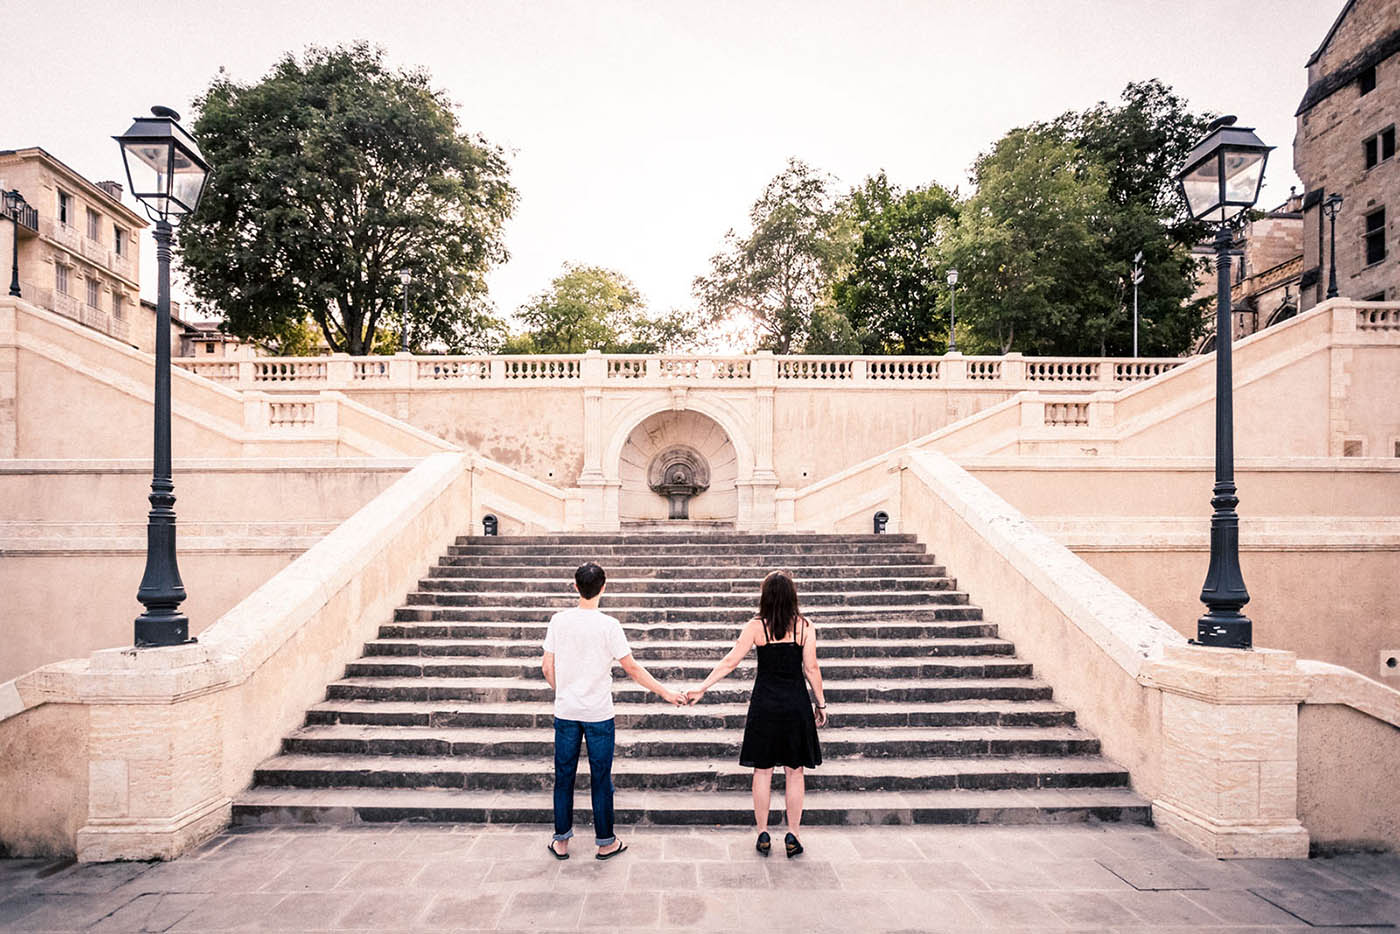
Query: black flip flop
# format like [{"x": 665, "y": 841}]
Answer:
[
  {"x": 621, "y": 849},
  {"x": 555, "y": 853}
]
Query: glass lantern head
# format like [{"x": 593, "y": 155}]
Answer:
[
  {"x": 164, "y": 166},
  {"x": 1223, "y": 173}
]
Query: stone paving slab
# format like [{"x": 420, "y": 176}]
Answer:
[{"x": 1106, "y": 879}]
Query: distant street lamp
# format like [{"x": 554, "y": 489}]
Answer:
[
  {"x": 14, "y": 205},
  {"x": 952, "y": 311},
  {"x": 1331, "y": 206},
  {"x": 167, "y": 173},
  {"x": 1137, "y": 281},
  {"x": 1220, "y": 181},
  {"x": 406, "y": 277}
]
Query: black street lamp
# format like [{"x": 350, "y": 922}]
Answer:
[
  {"x": 1219, "y": 182},
  {"x": 952, "y": 311},
  {"x": 167, "y": 173},
  {"x": 1331, "y": 206},
  {"x": 14, "y": 205},
  {"x": 406, "y": 277}
]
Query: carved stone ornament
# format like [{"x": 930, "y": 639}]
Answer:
[{"x": 678, "y": 473}]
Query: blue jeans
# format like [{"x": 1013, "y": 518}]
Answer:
[{"x": 568, "y": 734}]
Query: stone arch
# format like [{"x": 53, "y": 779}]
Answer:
[
  {"x": 719, "y": 412},
  {"x": 665, "y": 430}
]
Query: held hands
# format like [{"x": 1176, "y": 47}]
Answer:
[
  {"x": 674, "y": 698},
  {"x": 693, "y": 697}
]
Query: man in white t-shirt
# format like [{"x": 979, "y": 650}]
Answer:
[{"x": 580, "y": 647}]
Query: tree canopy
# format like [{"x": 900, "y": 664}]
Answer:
[
  {"x": 780, "y": 274},
  {"x": 593, "y": 308},
  {"x": 331, "y": 174}
]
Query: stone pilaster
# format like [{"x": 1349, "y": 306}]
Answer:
[
  {"x": 1230, "y": 750},
  {"x": 9, "y": 386}
]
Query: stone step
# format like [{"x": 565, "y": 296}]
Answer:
[
  {"x": 1011, "y": 806},
  {"x": 670, "y": 632},
  {"x": 833, "y": 669},
  {"x": 855, "y": 690},
  {"x": 656, "y": 650},
  {"x": 777, "y": 550},
  {"x": 837, "y": 742},
  {"x": 459, "y": 568},
  {"x": 548, "y": 603},
  {"x": 642, "y": 539},
  {"x": 705, "y": 715},
  {"x": 697, "y": 775},
  {"x": 823, "y": 565},
  {"x": 619, "y": 586},
  {"x": 422, "y": 613}
]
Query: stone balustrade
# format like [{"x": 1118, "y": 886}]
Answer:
[{"x": 1011, "y": 372}]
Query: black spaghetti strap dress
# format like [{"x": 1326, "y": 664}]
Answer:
[{"x": 781, "y": 729}]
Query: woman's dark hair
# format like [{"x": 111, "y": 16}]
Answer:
[
  {"x": 589, "y": 579},
  {"x": 777, "y": 604}
]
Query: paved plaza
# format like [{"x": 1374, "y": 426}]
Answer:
[{"x": 851, "y": 879}]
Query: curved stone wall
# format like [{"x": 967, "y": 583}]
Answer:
[{"x": 665, "y": 430}]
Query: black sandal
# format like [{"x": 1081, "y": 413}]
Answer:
[
  {"x": 792, "y": 844},
  {"x": 617, "y": 852},
  {"x": 764, "y": 844},
  {"x": 555, "y": 853}
]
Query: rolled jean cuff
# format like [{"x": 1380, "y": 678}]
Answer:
[
  {"x": 605, "y": 841},
  {"x": 567, "y": 835}
]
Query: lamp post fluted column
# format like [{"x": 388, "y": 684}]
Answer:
[
  {"x": 1332, "y": 205},
  {"x": 1224, "y": 593},
  {"x": 161, "y": 590}
]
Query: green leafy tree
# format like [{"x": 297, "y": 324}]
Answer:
[
  {"x": 1029, "y": 250},
  {"x": 781, "y": 273},
  {"x": 593, "y": 308},
  {"x": 331, "y": 174},
  {"x": 888, "y": 291}
]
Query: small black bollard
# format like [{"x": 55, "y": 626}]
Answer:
[
  {"x": 882, "y": 519},
  {"x": 489, "y": 525}
]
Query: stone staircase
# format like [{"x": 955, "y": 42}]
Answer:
[{"x": 447, "y": 717}]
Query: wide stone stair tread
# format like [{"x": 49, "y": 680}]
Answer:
[
  {"x": 707, "y": 774},
  {"x": 690, "y": 538},
  {"x": 447, "y": 569},
  {"x": 619, "y": 586},
  {"x": 648, "y": 649},
  {"x": 961, "y": 806},
  {"x": 818, "y": 615},
  {"x": 853, "y": 690},
  {"x": 548, "y": 603},
  {"x": 682, "y": 632},
  {"x": 837, "y": 742},
  {"x": 833, "y": 669}
]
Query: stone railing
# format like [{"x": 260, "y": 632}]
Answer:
[{"x": 1011, "y": 372}]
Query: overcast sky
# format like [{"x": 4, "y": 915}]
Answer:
[{"x": 639, "y": 132}]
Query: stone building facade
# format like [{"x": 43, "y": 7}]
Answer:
[
  {"x": 79, "y": 249},
  {"x": 1346, "y": 145},
  {"x": 1266, "y": 272}
]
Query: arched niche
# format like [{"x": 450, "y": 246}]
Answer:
[{"x": 663, "y": 431}]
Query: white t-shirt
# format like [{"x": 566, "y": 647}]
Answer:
[{"x": 585, "y": 644}]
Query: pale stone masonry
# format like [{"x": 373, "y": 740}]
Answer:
[{"x": 1345, "y": 144}]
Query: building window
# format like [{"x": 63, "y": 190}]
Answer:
[
  {"x": 1375, "y": 237},
  {"x": 94, "y": 231},
  {"x": 65, "y": 208},
  {"x": 118, "y": 305},
  {"x": 1380, "y": 147},
  {"x": 1378, "y": 297},
  {"x": 118, "y": 240},
  {"x": 92, "y": 295},
  {"x": 60, "y": 278},
  {"x": 208, "y": 348},
  {"x": 1367, "y": 80}
]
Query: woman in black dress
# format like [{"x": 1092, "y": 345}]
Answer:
[{"x": 781, "y": 728}]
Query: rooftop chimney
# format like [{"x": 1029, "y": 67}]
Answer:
[{"x": 112, "y": 188}]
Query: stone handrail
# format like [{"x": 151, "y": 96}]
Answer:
[
  {"x": 1012, "y": 371},
  {"x": 521, "y": 503}
]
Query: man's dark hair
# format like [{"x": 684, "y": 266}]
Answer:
[{"x": 590, "y": 579}]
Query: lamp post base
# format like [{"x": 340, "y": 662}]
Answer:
[
  {"x": 154, "y": 631},
  {"x": 1228, "y": 632}
]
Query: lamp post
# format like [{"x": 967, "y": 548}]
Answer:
[
  {"x": 952, "y": 311},
  {"x": 14, "y": 204},
  {"x": 1220, "y": 181},
  {"x": 1331, "y": 206},
  {"x": 1137, "y": 281},
  {"x": 406, "y": 277},
  {"x": 167, "y": 173}
]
